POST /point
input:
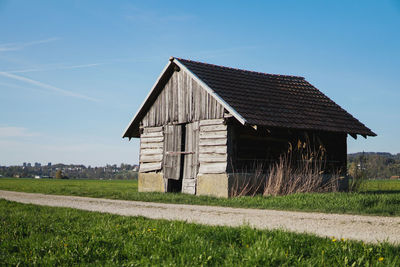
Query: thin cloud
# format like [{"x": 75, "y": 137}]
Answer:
[
  {"x": 19, "y": 46},
  {"x": 56, "y": 68},
  {"x": 10, "y": 131},
  {"x": 47, "y": 86}
]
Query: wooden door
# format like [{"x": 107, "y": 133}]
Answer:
[
  {"x": 172, "y": 151},
  {"x": 191, "y": 159}
]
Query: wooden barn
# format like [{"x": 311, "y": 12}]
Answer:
[{"x": 201, "y": 123}]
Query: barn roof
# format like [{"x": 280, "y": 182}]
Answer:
[{"x": 263, "y": 99}]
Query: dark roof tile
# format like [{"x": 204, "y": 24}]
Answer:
[{"x": 276, "y": 100}]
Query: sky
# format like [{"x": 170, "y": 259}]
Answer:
[{"x": 73, "y": 73}]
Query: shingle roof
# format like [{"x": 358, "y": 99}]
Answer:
[{"x": 276, "y": 100}]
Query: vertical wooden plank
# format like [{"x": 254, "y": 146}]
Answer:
[
  {"x": 190, "y": 160},
  {"x": 199, "y": 102},
  {"x": 195, "y": 158},
  {"x": 190, "y": 97},
  {"x": 176, "y": 100},
  {"x": 179, "y": 97},
  {"x": 172, "y": 162},
  {"x": 170, "y": 102},
  {"x": 188, "y": 148},
  {"x": 182, "y": 100}
]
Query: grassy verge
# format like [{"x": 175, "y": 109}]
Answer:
[
  {"x": 36, "y": 235},
  {"x": 368, "y": 202},
  {"x": 386, "y": 186}
]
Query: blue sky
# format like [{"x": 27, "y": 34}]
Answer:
[{"x": 73, "y": 73}]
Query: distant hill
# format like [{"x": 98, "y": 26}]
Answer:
[
  {"x": 376, "y": 165},
  {"x": 383, "y": 154}
]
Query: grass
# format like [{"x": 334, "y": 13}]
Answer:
[
  {"x": 386, "y": 186},
  {"x": 36, "y": 235},
  {"x": 372, "y": 200}
]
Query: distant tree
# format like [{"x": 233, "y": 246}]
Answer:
[{"x": 59, "y": 174}]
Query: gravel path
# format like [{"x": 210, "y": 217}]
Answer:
[{"x": 371, "y": 229}]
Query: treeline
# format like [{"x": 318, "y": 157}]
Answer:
[
  {"x": 123, "y": 172},
  {"x": 374, "y": 165}
]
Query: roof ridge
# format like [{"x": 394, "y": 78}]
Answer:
[{"x": 237, "y": 69}]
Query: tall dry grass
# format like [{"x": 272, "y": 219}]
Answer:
[
  {"x": 248, "y": 183},
  {"x": 300, "y": 170}
]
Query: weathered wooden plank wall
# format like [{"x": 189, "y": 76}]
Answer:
[
  {"x": 213, "y": 146},
  {"x": 181, "y": 101},
  {"x": 151, "y": 144}
]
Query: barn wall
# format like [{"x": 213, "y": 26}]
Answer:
[
  {"x": 181, "y": 101},
  {"x": 251, "y": 152},
  {"x": 204, "y": 155},
  {"x": 264, "y": 146},
  {"x": 212, "y": 178},
  {"x": 213, "y": 146},
  {"x": 151, "y": 149},
  {"x": 151, "y": 158},
  {"x": 219, "y": 151}
]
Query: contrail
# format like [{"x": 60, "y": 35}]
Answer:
[
  {"x": 19, "y": 46},
  {"x": 47, "y": 86}
]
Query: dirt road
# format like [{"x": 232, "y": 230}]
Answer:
[{"x": 370, "y": 229}]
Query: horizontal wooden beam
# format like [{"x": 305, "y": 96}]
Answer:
[
  {"x": 151, "y": 151},
  {"x": 212, "y": 128},
  {"x": 212, "y": 122},
  {"x": 214, "y": 167},
  {"x": 151, "y": 158},
  {"x": 212, "y": 157},
  {"x": 212, "y": 142},
  {"x": 151, "y": 145},
  {"x": 152, "y": 129},
  {"x": 211, "y": 135},
  {"x": 212, "y": 149},
  {"x": 151, "y": 139},
  {"x": 151, "y": 134},
  {"x": 179, "y": 152},
  {"x": 151, "y": 166}
]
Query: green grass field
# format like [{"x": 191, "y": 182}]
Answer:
[
  {"x": 377, "y": 198},
  {"x": 385, "y": 186},
  {"x": 36, "y": 235}
]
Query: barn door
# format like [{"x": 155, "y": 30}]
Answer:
[
  {"x": 172, "y": 149},
  {"x": 173, "y": 158},
  {"x": 181, "y": 157},
  {"x": 190, "y": 164}
]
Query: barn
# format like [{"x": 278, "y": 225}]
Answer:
[{"x": 200, "y": 123}]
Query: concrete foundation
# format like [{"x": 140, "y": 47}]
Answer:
[
  {"x": 151, "y": 182},
  {"x": 216, "y": 185}
]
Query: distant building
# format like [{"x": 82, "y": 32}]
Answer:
[{"x": 37, "y": 177}]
